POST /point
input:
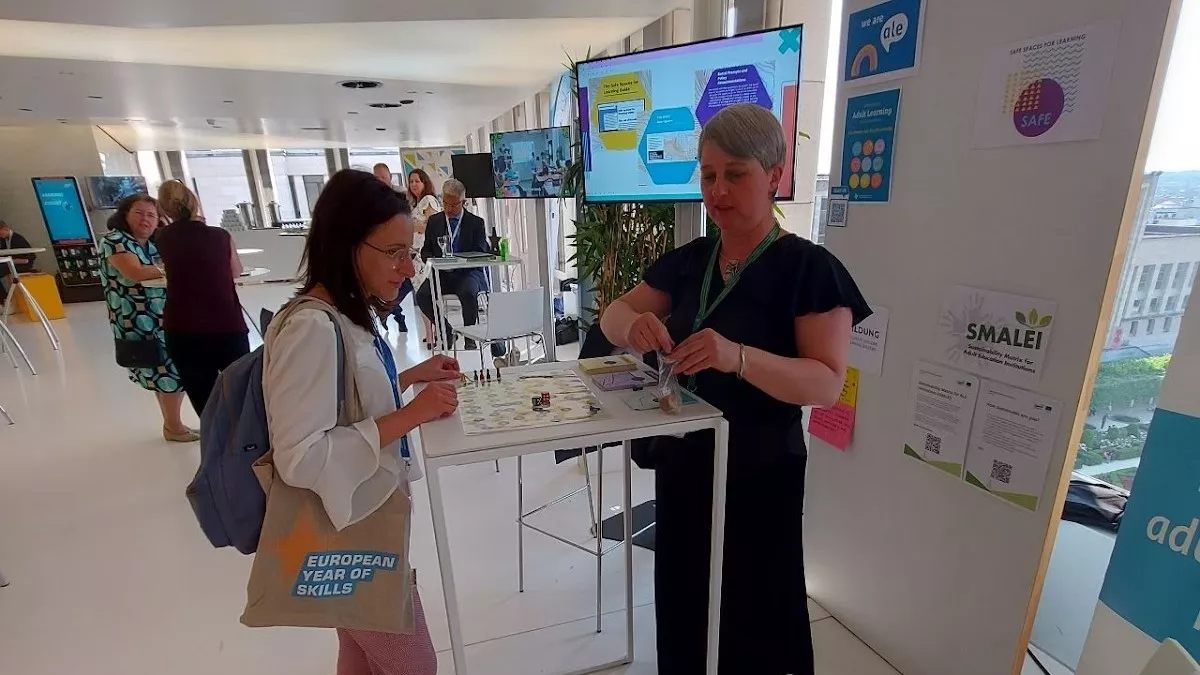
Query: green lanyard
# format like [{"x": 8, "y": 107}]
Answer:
[{"x": 705, "y": 310}]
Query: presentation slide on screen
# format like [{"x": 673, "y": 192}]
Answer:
[
  {"x": 641, "y": 133},
  {"x": 530, "y": 163},
  {"x": 63, "y": 209}
]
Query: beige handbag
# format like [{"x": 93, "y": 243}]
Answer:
[{"x": 306, "y": 573}]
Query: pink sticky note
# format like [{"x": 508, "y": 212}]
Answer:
[{"x": 833, "y": 425}]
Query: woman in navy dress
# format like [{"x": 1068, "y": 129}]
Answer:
[{"x": 758, "y": 323}]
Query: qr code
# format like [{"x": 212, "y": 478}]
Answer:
[
  {"x": 837, "y": 213},
  {"x": 933, "y": 444},
  {"x": 1001, "y": 471}
]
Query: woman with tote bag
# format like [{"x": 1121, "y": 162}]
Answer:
[{"x": 357, "y": 257}]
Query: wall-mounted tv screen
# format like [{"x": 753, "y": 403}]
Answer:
[
  {"x": 531, "y": 164},
  {"x": 62, "y": 209},
  {"x": 475, "y": 172},
  {"x": 108, "y": 191},
  {"x": 640, "y": 114}
]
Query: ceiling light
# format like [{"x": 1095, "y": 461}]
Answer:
[
  {"x": 314, "y": 129},
  {"x": 430, "y": 93},
  {"x": 380, "y": 128},
  {"x": 360, "y": 84},
  {"x": 352, "y": 112},
  {"x": 135, "y": 119},
  {"x": 95, "y": 98},
  {"x": 227, "y": 101},
  {"x": 407, "y": 101},
  {"x": 25, "y": 109},
  {"x": 383, "y": 105}
]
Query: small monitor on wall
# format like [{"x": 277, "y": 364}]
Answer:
[
  {"x": 475, "y": 172},
  {"x": 640, "y": 114},
  {"x": 108, "y": 191},
  {"x": 531, "y": 164},
  {"x": 62, "y": 209}
]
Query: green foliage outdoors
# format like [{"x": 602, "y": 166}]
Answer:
[{"x": 1120, "y": 385}]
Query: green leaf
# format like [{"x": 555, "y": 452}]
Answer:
[
  {"x": 1033, "y": 317},
  {"x": 1045, "y": 321},
  {"x": 1021, "y": 319}
]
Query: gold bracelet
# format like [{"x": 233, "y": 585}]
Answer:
[{"x": 741, "y": 373}]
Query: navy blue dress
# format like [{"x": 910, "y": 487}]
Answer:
[{"x": 764, "y": 611}]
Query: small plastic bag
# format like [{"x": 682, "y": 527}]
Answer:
[{"x": 670, "y": 400}]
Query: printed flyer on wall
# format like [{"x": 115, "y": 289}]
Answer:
[
  {"x": 997, "y": 335},
  {"x": 835, "y": 425},
  {"x": 941, "y": 406},
  {"x": 883, "y": 42},
  {"x": 1047, "y": 90},
  {"x": 869, "y": 144},
  {"x": 867, "y": 341},
  {"x": 1012, "y": 440}
]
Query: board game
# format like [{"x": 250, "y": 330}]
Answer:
[{"x": 508, "y": 403}]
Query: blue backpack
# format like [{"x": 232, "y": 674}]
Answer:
[{"x": 225, "y": 494}]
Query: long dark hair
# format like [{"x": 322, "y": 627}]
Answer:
[
  {"x": 120, "y": 220},
  {"x": 352, "y": 204},
  {"x": 426, "y": 186}
]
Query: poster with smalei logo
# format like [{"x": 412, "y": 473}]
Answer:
[
  {"x": 996, "y": 335},
  {"x": 1050, "y": 89}
]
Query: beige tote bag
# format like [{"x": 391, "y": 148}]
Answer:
[{"x": 308, "y": 574}]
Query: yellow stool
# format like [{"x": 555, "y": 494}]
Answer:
[{"x": 44, "y": 290}]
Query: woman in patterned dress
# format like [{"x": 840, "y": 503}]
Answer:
[{"x": 135, "y": 311}]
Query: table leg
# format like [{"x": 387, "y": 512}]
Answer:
[
  {"x": 627, "y": 507},
  {"x": 8, "y": 338},
  {"x": 717, "y": 550},
  {"x": 599, "y": 534},
  {"x": 5, "y": 415},
  {"x": 37, "y": 308},
  {"x": 449, "y": 591},
  {"x": 520, "y": 525}
]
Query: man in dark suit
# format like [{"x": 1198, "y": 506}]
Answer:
[
  {"x": 467, "y": 233},
  {"x": 11, "y": 240}
]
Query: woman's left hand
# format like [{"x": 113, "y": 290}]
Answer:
[
  {"x": 437, "y": 368},
  {"x": 706, "y": 350}
]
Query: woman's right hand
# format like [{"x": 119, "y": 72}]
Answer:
[
  {"x": 648, "y": 334},
  {"x": 435, "y": 401}
]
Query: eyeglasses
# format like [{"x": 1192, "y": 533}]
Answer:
[{"x": 395, "y": 256}]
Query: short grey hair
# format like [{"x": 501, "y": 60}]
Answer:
[
  {"x": 454, "y": 188},
  {"x": 747, "y": 131}
]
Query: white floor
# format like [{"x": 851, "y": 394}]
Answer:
[{"x": 110, "y": 574}]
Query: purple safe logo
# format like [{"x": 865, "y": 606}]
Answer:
[{"x": 1038, "y": 107}]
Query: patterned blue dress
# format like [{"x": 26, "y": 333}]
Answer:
[{"x": 136, "y": 312}]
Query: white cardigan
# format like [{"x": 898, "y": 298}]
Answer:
[{"x": 344, "y": 465}]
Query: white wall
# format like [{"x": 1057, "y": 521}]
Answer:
[
  {"x": 60, "y": 150},
  {"x": 936, "y": 576}
]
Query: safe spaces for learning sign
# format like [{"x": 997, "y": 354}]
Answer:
[
  {"x": 883, "y": 42},
  {"x": 869, "y": 144}
]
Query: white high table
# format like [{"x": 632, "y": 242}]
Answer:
[
  {"x": 445, "y": 444},
  {"x": 246, "y": 277},
  {"x": 7, "y": 259},
  {"x": 452, "y": 263}
]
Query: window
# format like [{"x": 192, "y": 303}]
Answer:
[
  {"x": 1137, "y": 306},
  {"x": 220, "y": 180},
  {"x": 1146, "y": 278},
  {"x": 298, "y": 175},
  {"x": 1133, "y": 329},
  {"x": 366, "y": 159},
  {"x": 1167, "y": 325},
  {"x": 1154, "y": 302},
  {"x": 1150, "y": 327},
  {"x": 1172, "y": 303},
  {"x": 1164, "y": 273},
  {"x": 1181, "y": 273},
  {"x": 1195, "y": 268}
]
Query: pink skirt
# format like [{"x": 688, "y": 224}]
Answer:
[{"x": 364, "y": 652}]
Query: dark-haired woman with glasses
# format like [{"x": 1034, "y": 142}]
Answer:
[{"x": 358, "y": 255}]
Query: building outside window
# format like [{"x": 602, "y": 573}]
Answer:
[
  {"x": 1164, "y": 273},
  {"x": 1133, "y": 329},
  {"x": 366, "y": 159},
  {"x": 1146, "y": 278},
  {"x": 1154, "y": 305},
  {"x": 1167, "y": 325},
  {"x": 1181, "y": 274},
  {"x": 298, "y": 176},
  {"x": 1137, "y": 306},
  {"x": 219, "y": 179},
  {"x": 1150, "y": 326},
  {"x": 1172, "y": 303}
]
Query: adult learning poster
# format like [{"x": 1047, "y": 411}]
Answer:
[
  {"x": 997, "y": 335},
  {"x": 1047, "y": 90},
  {"x": 883, "y": 42},
  {"x": 868, "y": 146}
]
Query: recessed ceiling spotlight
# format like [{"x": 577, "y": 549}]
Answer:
[
  {"x": 95, "y": 98},
  {"x": 314, "y": 128},
  {"x": 360, "y": 84},
  {"x": 65, "y": 72},
  {"x": 25, "y": 109},
  {"x": 430, "y": 93},
  {"x": 135, "y": 119},
  {"x": 352, "y": 112},
  {"x": 380, "y": 128},
  {"x": 383, "y": 105},
  {"x": 407, "y": 101},
  {"x": 412, "y": 92},
  {"x": 227, "y": 101}
]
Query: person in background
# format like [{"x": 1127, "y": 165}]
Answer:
[
  {"x": 465, "y": 232},
  {"x": 359, "y": 253},
  {"x": 136, "y": 312},
  {"x": 424, "y": 203},
  {"x": 203, "y": 318},
  {"x": 9, "y": 239},
  {"x": 757, "y": 322}
]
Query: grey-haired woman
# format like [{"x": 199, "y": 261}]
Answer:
[{"x": 758, "y": 323}]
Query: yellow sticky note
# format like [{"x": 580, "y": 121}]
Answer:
[{"x": 850, "y": 388}]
